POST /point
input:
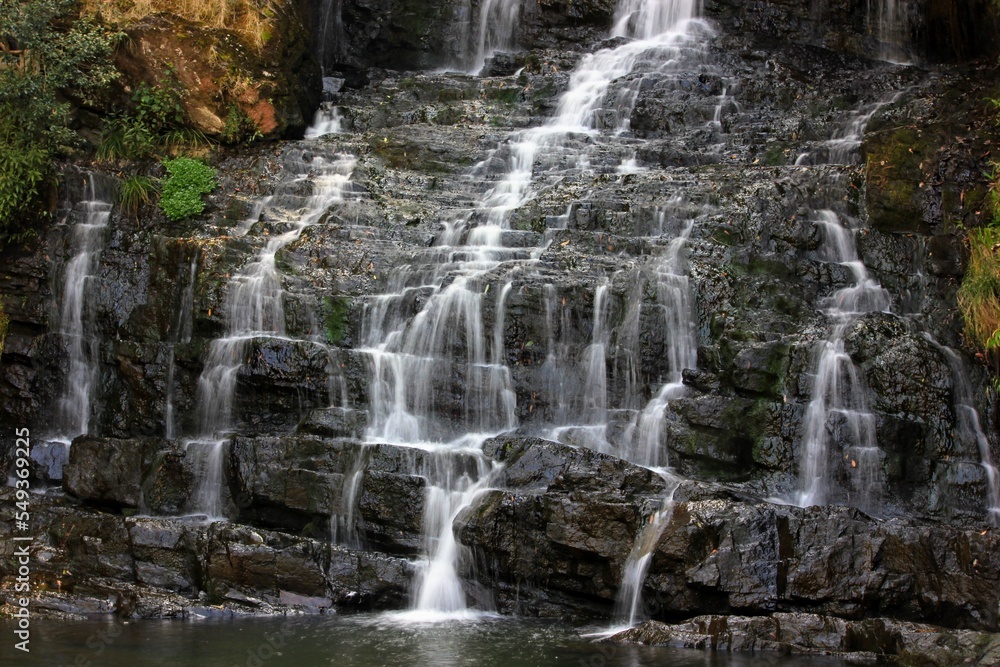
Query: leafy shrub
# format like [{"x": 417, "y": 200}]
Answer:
[
  {"x": 155, "y": 123},
  {"x": 24, "y": 171},
  {"x": 48, "y": 53},
  {"x": 184, "y": 188},
  {"x": 126, "y": 139}
]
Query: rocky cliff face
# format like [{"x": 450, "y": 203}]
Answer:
[{"x": 731, "y": 153}]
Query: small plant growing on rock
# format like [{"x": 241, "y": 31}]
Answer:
[
  {"x": 135, "y": 192},
  {"x": 156, "y": 125},
  {"x": 240, "y": 128},
  {"x": 188, "y": 181}
]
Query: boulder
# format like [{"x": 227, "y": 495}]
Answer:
[{"x": 276, "y": 85}]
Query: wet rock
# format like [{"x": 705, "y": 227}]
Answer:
[
  {"x": 109, "y": 471},
  {"x": 831, "y": 560},
  {"x": 856, "y": 642},
  {"x": 165, "y": 553},
  {"x": 335, "y": 423},
  {"x": 281, "y": 563},
  {"x": 368, "y": 581}
]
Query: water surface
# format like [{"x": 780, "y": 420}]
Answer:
[{"x": 354, "y": 641}]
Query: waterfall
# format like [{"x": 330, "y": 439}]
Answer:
[
  {"x": 434, "y": 381},
  {"x": 652, "y": 19},
  {"x": 970, "y": 430},
  {"x": 331, "y": 28},
  {"x": 890, "y": 29},
  {"x": 674, "y": 298},
  {"x": 76, "y": 308},
  {"x": 628, "y": 604},
  {"x": 839, "y": 402},
  {"x": 497, "y": 23},
  {"x": 254, "y": 307},
  {"x": 343, "y": 529},
  {"x": 439, "y": 593}
]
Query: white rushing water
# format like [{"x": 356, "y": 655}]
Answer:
[
  {"x": 76, "y": 307},
  {"x": 497, "y": 27},
  {"x": 839, "y": 401},
  {"x": 328, "y": 120},
  {"x": 254, "y": 308},
  {"x": 969, "y": 428}
]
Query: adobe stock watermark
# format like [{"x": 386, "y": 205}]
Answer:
[
  {"x": 97, "y": 643},
  {"x": 269, "y": 648},
  {"x": 22, "y": 540}
]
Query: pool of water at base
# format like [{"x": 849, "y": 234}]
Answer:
[{"x": 385, "y": 640}]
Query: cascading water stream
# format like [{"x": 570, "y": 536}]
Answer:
[
  {"x": 645, "y": 445},
  {"x": 628, "y": 604},
  {"x": 76, "y": 310},
  {"x": 424, "y": 337},
  {"x": 77, "y": 327},
  {"x": 970, "y": 430},
  {"x": 838, "y": 392},
  {"x": 254, "y": 309}
]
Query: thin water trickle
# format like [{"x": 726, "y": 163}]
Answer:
[
  {"x": 969, "y": 428},
  {"x": 890, "y": 28},
  {"x": 180, "y": 333},
  {"x": 76, "y": 307},
  {"x": 628, "y": 604}
]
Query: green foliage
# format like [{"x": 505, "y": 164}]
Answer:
[
  {"x": 135, "y": 192},
  {"x": 336, "y": 312},
  {"x": 52, "y": 57},
  {"x": 24, "y": 171},
  {"x": 126, "y": 139},
  {"x": 155, "y": 125},
  {"x": 188, "y": 181},
  {"x": 159, "y": 108},
  {"x": 240, "y": 128},
  {"x": 979, "y": 295}
]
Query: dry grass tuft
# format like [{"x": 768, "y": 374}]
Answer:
[{"x": 251, "y": 19}]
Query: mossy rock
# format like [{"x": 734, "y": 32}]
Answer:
[
  {"x": 895, "y": 177},
  {"x": 336, "y": 318}
]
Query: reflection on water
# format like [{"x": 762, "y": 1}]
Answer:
[{"x": 354, "y": 641}]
